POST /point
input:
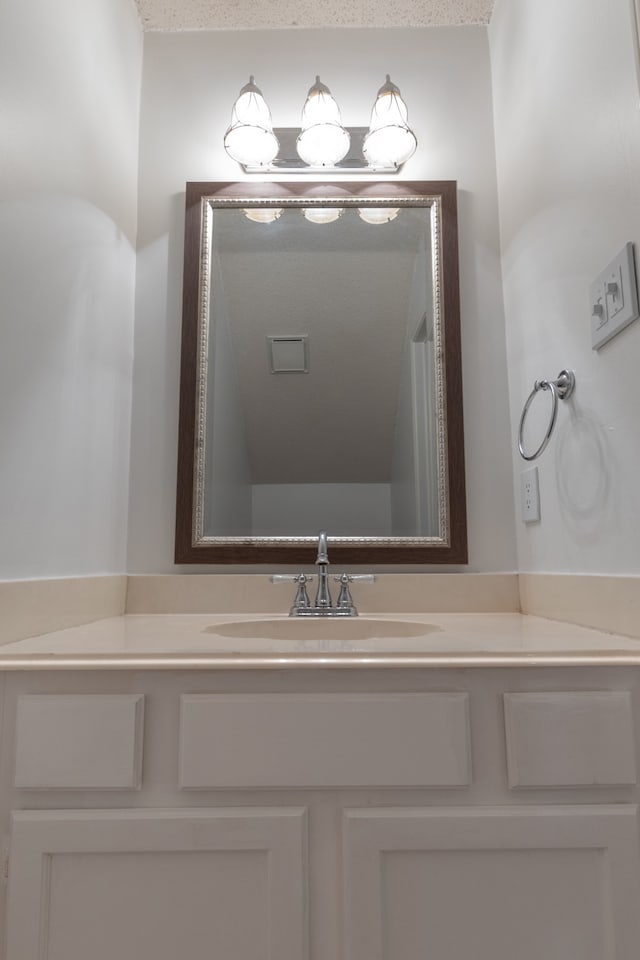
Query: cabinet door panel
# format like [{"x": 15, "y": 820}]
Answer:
[
  {"x": 492, "y": 884},
  {"x": 157, "y": 885}
]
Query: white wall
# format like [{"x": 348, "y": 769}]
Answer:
[
  {"x": 190, "y": 81},
  {"x": 69, "y": 98},
  {"x": 404, "y": 506},
  {"x": 567, "y": 119},
  {"x": 412, "y": 469},
  {"x": 227, "y": 511},
  {"x": 303, "y": 509}
]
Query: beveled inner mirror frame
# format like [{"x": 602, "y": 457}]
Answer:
[{"x": 191, "y": 545}]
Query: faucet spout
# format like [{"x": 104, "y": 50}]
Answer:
[
  {"x": 323, "y": 551},
  {"x": 323, "y": 596}
]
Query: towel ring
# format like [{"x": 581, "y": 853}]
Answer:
[{"x": 561, "y": 388}]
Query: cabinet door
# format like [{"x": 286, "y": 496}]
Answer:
[
  {"x": 492, "y": 883},
  {"x": 158, "y": 885}
]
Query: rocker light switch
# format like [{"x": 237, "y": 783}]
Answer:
[
  {"x": 613, "y": 298},
  {"x": 614, "y": 293}
]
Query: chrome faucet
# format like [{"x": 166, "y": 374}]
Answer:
[
  {"x": 323, "y": 605},
  {"x": 323, "y": 596}
]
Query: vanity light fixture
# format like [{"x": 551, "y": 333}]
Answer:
[
  {"x": 250, "y": 138},
  {"x": 263, "y": 214},
  {"x": 322, "y": 214},
  {"x": 378, "y": 214},
  {"x": 372, "y": 215},
  {"x": 390, "y": 139},
  {"x": 323, "y": 143}
]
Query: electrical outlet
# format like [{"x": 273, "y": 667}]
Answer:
[{"x": 530, "y": 492}]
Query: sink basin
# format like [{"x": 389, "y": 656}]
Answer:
[{"x": 321, "y": 628}]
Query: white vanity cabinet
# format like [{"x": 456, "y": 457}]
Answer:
[{"x": 321, "y": 814}]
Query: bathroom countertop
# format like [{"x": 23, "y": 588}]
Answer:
[{"x": 191, "y": 641}]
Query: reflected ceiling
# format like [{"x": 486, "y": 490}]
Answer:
[{"x": 265, "y": 14}]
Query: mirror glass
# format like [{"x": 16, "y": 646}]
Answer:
[{"x": 318, "y": 371}]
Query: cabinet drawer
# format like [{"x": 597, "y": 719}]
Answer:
[
  {"x": 79, "y": 742},
  {"x": 323, "y": 740},
  {"x": 573, "y": 739}
]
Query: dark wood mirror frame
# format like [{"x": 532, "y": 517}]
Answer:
[{"x": 449, "y": 550}]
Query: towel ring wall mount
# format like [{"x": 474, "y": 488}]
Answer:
[{"x": 561, "y": 389}]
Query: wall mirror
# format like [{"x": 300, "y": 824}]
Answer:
[{"x": 321, "y": 375}]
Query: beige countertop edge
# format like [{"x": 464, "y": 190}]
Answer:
[
  {"x": 313, "y": 661},
  {"x": 263, "y": 643}
]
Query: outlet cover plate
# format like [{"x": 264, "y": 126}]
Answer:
[
  {"x": 613, "y": 298},
  {"x": 530, "y": 494}
]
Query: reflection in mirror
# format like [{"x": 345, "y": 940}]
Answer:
[
  {"x": 325, "y": 356},
  {"x": 321, "y": 401}
]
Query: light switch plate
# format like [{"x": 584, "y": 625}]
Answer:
[{"x": 613, "y": 297}]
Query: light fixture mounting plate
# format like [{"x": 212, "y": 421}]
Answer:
[{"x": 289, "y": 161}]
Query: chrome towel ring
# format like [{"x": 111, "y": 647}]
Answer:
[{"x": 562, "y": 388}]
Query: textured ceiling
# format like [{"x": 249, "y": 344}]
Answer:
[{"x": 267, "y": 14}]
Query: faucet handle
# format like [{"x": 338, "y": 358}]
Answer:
[
  {"x": 290, "y": 577},
  {"x": 345, "y": 600},
  {"x": 350, "y": 577},
  {"x": 301, "y": 601}
]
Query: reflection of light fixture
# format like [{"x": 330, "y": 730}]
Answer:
[
  {"x": 322, "y": 214},
  {"x": 378, "y": 214},
  {"x": 390, "y": 139},
  {"x": 250, "y": 138},
  {"x": 323, "y": 141},
  {"x": 263, "y": 214}
]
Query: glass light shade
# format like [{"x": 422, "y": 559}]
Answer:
[
  {"x": 378, "y": 214},
  {"x": 250, "y": 138},
  {"x": 263, "y": 214},
  {"x": 320, "y": 106},
  {"x": 322, "y": 141},
  {"x": 322, "y": 214},
  {"x": 323, "y": 145},
  {"x": 390, "y": 140}
]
